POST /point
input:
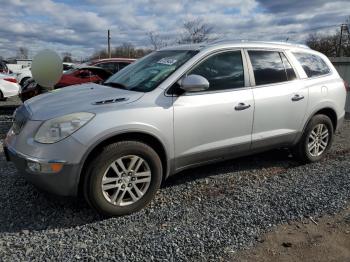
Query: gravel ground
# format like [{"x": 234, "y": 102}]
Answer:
[{"x": 202, "y": 214}]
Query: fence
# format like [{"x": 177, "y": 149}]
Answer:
[{"x": 342, "y": 64}]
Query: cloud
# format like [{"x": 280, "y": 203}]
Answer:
[{"x": 80, "y": 27}]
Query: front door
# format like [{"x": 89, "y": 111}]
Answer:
[{"x": 216, "y": 123}]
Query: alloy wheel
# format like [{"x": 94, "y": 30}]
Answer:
[
  {"x": 318, "y": 140},
  {"x": 126, "y": 180}
]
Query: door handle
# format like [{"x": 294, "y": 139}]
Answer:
[
  {"x": 297, "y": 97},
  {"x": 241, "y": 106}
]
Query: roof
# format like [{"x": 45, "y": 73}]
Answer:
[
  {"x": 121, "y": 59},
  {"x": 240, "y": 44},
  {"x": 83, "y": 66}
]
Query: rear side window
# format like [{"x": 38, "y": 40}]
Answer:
[
  {"x": 270, "y": 67},
  {"x": 111, "y": 67},
  {"x": 313, "y": 65},
  {"x": 121, "y": 65},
  {"x": 223, "y": 70}
]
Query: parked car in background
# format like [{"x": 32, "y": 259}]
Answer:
[
  {"x": 80, "y": 75},
  {"x": 175, "y": 109},
  {"x": 8, "y": 86},
  {"x": 112, "y": 64},
  {"x": 83, "y": 74},
  {"x": 23, "y": 75},
  {"x": 26, "y": 73}
]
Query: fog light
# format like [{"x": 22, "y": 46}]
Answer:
[{"x": 34, "y": 166}]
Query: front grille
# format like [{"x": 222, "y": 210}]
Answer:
[{"x": 20, "y": 119}]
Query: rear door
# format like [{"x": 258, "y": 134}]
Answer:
[
  {"x": 215, "y": 123},
  {"x": 280, "y": 98}
]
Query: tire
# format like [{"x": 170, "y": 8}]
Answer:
[
  {"x": 23, "y": 81},
  {"x": 2, "y": 98},
  {"x": 308, "y": 154},
  {"x": 109, "y": 190}
]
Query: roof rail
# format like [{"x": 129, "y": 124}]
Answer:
[{"x": 257, "y": 42}]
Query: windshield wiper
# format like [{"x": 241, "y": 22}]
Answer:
[{"x": 115, "y": 84}]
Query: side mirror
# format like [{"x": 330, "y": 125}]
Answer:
[{"x": 193, "y": 83}]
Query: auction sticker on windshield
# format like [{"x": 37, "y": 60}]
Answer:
[{"x": 167, "y": 61}]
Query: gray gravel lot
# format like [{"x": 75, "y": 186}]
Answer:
[{"x": 203, "y": 214}]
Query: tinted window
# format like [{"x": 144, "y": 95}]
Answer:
[
  {"x": 121, "y": 65},
  {"x": 111, "y": 67},
  {"x": 3, "y": 67},
  {"x": 313, "y": 65},
  {"x": 268, "y": 67},
  {"x": 67, "y": 67},
  {"x": 223, "y": 71}
]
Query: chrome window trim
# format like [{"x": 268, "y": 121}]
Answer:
[
  {"x": 215, "y": 52},
  {"x": 251, "y": 70}
]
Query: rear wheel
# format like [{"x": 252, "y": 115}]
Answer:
[
  {"x": 123, "y": 178},
  {"x": 316, "y": 139}
]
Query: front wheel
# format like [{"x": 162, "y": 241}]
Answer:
[
  {"x": 123, "y": 178},
  {"x": 316, "y": 139}
]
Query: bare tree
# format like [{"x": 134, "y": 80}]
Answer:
[
  {"x": 67, "y": 57},
  {"x": 196, "y": 31},
  {"x": 124, "y": 50},
  {"x": 328, "y": 44},
  {"x": 156, "y": 41},
  {"x": 22, "y": 53}
]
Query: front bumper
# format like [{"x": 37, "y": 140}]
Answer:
[{"x": 64, "y": 183}]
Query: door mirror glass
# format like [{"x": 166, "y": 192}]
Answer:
[{"x": 194, "y": 83}]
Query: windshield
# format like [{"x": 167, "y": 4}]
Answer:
[{"x": 147, "y": 73}]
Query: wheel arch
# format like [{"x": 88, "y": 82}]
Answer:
[
  {"x": 328, "y": 111},
  {"x": 25, "y": 78},
  {"x": 331, "y": 113},
  {"x": 144, "y": 137}
]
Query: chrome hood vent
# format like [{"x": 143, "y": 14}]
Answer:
[
  {"x": 79, "y": 98},
  {"x": 110, "y": 101}
]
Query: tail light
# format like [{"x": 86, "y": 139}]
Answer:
[
  {"x": 346, "y": 85},
  {"x": 12, "y": 80}
]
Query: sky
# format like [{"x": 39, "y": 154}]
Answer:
[{"x": 80, "y": 27}]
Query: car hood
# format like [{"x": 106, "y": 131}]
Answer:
[{"x": 79, "y": 98}]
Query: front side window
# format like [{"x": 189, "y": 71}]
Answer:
[
  {"x": 147, "y": 73},
  {"x": 270, "y": 67},
  {"x": 313, "y": 65},
  {"x": 223, "y": 71}
]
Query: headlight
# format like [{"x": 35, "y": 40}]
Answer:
[{"x": 56, "y": 129}]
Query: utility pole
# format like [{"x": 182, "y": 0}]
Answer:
[
  {"x": 109, "y": 43},
  {"x": 343, "y": 28}
]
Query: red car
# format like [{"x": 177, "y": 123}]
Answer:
[
  {"x": 80, "y": 75},
  {"x": 83, "y": 74},
  {"x": 112, "y": 64}
]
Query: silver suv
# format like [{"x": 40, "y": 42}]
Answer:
[{"x": 174, "y": 109}]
